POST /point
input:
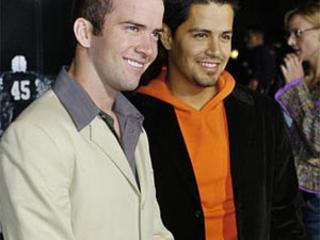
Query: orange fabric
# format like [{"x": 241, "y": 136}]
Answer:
[{"x": 206, "y": 135}]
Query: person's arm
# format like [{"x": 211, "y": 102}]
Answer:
[
  {"x": 286, "y": 216},
  {"x": 159, "y": 230},
  {"x": 34, "y": 185},
  {"x": 296, "y": 100},
  {"x": 291, "y": 68}
]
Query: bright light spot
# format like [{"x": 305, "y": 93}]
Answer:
[{"x": 234, "y": 54}]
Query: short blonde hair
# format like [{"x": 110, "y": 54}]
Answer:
[{"x": 310, "y": 12}]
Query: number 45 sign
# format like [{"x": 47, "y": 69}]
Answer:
[{"x": 20, "y": 90}]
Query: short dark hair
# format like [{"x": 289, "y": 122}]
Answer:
[
  {"x": 92, "y": 10},
  {"x": 177, "y": 11},
  {"x": 255, "y": 29}
]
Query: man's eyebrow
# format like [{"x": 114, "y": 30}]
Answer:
[
  {"x": 228, "y": 32},
  {"x": 134, "y": 23},
  {"x": 191, "y": 30},
  {"x": 159, "y": 30}
]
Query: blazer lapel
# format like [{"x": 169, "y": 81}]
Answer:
[
  {"x": 102, "y": 136},
  {"x": 143, "y": 171}
]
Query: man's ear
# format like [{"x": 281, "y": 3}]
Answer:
[
  {"x": 166, "y": 37},
  {"x": 83, "y": 29}
]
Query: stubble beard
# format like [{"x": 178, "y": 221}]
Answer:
[{"x": 204, "y": 81}]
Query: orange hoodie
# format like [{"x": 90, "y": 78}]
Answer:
[{"x": 205, "y": 133}]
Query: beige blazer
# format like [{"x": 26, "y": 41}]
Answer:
[{"x": 60, "y": 184}]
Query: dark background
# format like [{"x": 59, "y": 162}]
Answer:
[
  {"x": 40, "y": 29},
  {"x": 266, "y": 13}
]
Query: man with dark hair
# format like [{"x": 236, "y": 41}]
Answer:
[
  {"x": 258, "y": 60},
  {"x": 75, "y": 164},
  {"x": 92, "y": 10},
  {"x": 222, "y": 163}
]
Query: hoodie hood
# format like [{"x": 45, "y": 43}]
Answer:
[{"x": 158, "y": 88}]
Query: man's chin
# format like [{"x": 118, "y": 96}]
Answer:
[{"x": 132, "y": 86}]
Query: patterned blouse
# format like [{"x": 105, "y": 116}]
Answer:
[{"x": 302, "y": 111}]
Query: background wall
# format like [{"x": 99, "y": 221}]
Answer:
[
  {"x": 36, "y": 34},
  {"x": 37, "y": 29}
]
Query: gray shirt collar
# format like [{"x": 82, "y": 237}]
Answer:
[{"x": 81, "y": 107}]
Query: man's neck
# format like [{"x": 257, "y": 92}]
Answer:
[
  {"x": 92, "y": 84},
  {"x": 195, "y": 96}
]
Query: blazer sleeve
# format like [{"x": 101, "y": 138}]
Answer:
[
  {"x": 286, "y": 212},
  {"x": 160, "y": 233},
  {"x": 34, "y": 183},
  {"x": 159, "y": 230}
]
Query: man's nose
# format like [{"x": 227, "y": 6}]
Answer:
[
  {"x": 146, "y": 46},
  {"x": 213, "y": 47}
]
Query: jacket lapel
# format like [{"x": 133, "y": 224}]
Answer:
[
  {"x": 102, "y": 136},
  {"x": 143, "y": 172}
]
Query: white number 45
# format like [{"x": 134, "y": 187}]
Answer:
[{"x": 21, "y": 90}]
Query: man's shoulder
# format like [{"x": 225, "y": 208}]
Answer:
[
  {"x": 46, "y": 106},
  {"x": 147, "y": 104},
  {"x": 46, "y": 112},
  {"x": 244, "y": 98},
  {"x": 241, "y": 97}
]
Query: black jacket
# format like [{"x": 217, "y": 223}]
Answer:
[{"x": 262, "y": 168}]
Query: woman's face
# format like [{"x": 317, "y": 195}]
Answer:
[{"x": 304, "y": 38}]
